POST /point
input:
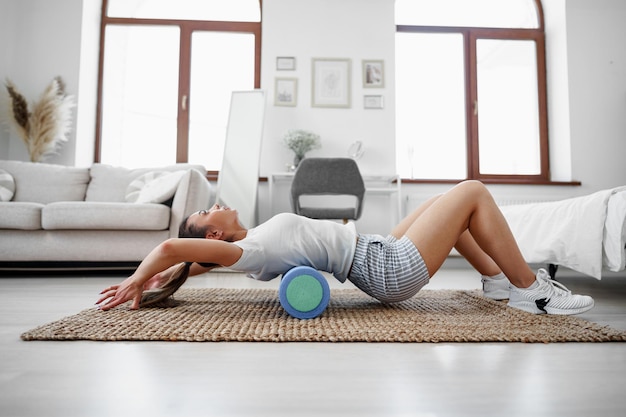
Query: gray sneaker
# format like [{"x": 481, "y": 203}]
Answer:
[
  {"x": 496, "y": 289},
  {"x": 549, "y": 297}
]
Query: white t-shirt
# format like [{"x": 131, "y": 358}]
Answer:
[{"x": 288, "y": 240}]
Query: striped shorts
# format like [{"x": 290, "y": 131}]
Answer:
[{"x": 388, "y": 269}]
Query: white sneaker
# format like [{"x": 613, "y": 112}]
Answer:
[
  {"x": 549, "y": 297},
  {"x": 496, "y": 288}
]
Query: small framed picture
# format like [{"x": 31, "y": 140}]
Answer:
[
  {"x": 373, "y": 102},
  {"x": 286, "y": 92},
  {"x": 285, "y": 63},
  {"x": 331, "y": 82},
  {"x": 373, "y": 73}
]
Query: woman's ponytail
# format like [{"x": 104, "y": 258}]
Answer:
[{"x": 156, "y": 295}]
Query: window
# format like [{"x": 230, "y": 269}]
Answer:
[
  {"x": 471, "y": 90},
  {"x": 167, "y": 73}
]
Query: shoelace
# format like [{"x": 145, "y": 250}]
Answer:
[{"x": 556, "y": 287}]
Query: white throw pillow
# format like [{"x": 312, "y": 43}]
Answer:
[
  {"x": 153, "y": 187},
  {"x": 7, "y": 186}
]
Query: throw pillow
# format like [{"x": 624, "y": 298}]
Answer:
[
  {"x": 7, "y": 186},
  {"x": 153, "y": 187}
]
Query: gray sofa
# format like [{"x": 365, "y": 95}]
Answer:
[{"x": 54, "y": 216}]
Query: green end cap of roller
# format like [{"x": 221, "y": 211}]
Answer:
[{"x": 304, "y": 293}]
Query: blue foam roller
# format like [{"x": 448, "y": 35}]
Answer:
[{"x": 304, "y": 292}]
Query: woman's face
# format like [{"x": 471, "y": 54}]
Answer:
[{"x": 219, "y": 217}]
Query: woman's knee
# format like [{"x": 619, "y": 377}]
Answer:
[
  {"x": 474, "y": 188},
  {"x": 470, "y": 195},
  {"x": 472, "y": 184}
]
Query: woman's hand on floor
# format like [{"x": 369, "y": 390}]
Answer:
[{"x": 119, "y": 294}]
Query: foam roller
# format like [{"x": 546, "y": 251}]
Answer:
[{"x": 304, "y": 292}]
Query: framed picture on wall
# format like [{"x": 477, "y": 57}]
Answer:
[
  {"x": 285, "y": 92},
  {"x": 285, "y": 63},
  {"x": 373, "y": 73},
  {"x": 331, "y": 82},
  {"x": 373, "y": 102}
]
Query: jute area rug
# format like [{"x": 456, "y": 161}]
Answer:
[{"x": 255, "y": 315}]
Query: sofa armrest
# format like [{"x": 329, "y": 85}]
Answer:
[{"x": 193, "y": 194}]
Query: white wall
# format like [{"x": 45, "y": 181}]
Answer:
[
  {"x": 597, "y": 78},
  {"x": 586, "y": 46},
  {"x": 45, "y": 43},
  {"x": 353, "y": 29},
  {"x": 558, "y": 90},
  {"x": 7, "y": 44},
  {"x": 87, "y": 91}
]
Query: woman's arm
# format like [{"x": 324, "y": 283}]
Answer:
[
  {"x": 161, "y": 278},
  {"x": 165, "y": 255}
]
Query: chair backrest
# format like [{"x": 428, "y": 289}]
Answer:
[{"x": 328, "y": 176}]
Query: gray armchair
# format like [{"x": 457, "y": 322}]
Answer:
[{"x": 328, "y": 177}]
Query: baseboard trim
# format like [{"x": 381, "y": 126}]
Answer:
[{"x": 13, "y": 267}]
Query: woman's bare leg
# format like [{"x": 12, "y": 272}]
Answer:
[
  {"x": 469, "y": 206},
  {"x": 469, "y": 249},
  {"x": 404, "y": 225},
  {"x": 465, "y": 245}
]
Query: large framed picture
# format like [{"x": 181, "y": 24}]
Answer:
[
  {"x": 331, "y": 82},
  {"x": 286, "y": 92},
  {"x": 373, "y": 73}
]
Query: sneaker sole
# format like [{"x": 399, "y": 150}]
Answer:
[
  {"x": 532, "y": 308},
  {"x": 497, "y": 295}
]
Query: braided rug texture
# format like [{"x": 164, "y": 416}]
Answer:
[{"x": 255, "y": 315}]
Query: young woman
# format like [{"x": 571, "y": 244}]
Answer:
[{"x": 389, "y": 269}]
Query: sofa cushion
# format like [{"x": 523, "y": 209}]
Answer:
[
  {"x": 105, "y": 216},
  {"x": 7, "y": 186},
  {"x": 20, "y": 215},
  {"x": 153, "y": 187},
  {"x": 109, "y": 183},
  {"x": 45, "y": 183}
]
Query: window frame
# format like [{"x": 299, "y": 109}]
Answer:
[
  {"x": 470, "y": 37},
  {"x": 187, "y": 27}
]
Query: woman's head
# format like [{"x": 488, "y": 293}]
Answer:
[
  {"x": 188, "y": 229},
  {"x": 218, "y": 222}
]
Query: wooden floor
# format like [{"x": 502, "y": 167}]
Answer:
[{"x": 74, "y": 379}]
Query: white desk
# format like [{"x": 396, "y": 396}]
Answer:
[{"x": 384, "y": 185}]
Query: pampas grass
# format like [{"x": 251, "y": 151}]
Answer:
[{"x": 48, "y": 125}]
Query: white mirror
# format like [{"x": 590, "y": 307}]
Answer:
[{"x": 238, "y": 180}]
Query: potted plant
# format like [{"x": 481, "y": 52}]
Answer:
[{"x": 300, "y": 142}]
